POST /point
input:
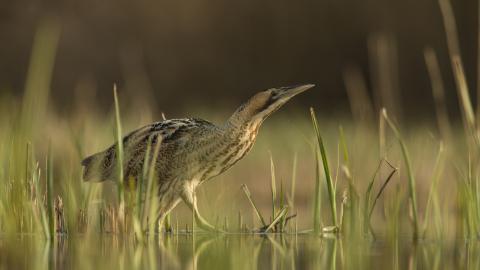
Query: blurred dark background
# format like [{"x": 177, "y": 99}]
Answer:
[{"x": 211, "y": 52}]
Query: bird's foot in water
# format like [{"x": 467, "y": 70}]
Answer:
[{"x": 205, "y": 226}]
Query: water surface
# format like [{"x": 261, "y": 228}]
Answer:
[{"x": 202, "y": 251}]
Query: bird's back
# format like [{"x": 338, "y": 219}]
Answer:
[{"x": 179, "y": 140}]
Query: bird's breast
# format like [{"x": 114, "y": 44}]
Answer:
[{"x": 230, "y": 151}]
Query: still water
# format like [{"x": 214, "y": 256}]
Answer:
[{"x": 202, "y": 251}]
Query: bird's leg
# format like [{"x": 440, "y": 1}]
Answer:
[
  {"x": 160, "y": 218},
  {"x": 190, "y": 199}
]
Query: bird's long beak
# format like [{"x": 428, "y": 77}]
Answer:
[{"x": 286, "y": 93}]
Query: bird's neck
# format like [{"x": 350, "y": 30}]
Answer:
[
  {"x": 240, "y": 130},
  {"x": 245, "y": 135},
  {"x": 239, "y": 139}
]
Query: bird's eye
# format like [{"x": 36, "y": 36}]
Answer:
[{"x": 273, "y": 95}]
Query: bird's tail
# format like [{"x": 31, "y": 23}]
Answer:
[{"x": 94, "y": 169}]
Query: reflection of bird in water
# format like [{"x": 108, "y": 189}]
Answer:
[{"x": 191, "y": 150}]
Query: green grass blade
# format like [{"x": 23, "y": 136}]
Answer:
[
  {"x": 49, "y": 191},
  {"x": 118, "y": 134},
  {"x": 317, "y": 196},
  {"x": 433, "y": 193},
  {"x": 352, "y": 201},
  {"x": 152, "y": 190},
  {"x": 41, "y": 215},
  {"x": 294, "y": 181},
  {"x": 282, "y": 204},
  {"x": 438, "y": 93},
  {"x": 39, "y": 75},
  {"x": 411, "y": 177},
  {"x": 273, "y": 187},
  {"x": 326, "y": 168},
  {"x": 463, "y": 91},
  {"x": 453, "y": 43},
  {"x": 139, "y": 207}
]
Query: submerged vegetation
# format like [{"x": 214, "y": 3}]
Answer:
[{"x": 333, "y": 191}]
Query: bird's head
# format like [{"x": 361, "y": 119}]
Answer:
[{"x": 264, "y": 103}]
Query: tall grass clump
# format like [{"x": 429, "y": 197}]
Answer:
[
  {"x": 468, "y": 179},
  {"x": 26, "y": 189}
]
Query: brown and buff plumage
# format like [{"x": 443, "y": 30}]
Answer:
[{"x": 191, "y": 150}]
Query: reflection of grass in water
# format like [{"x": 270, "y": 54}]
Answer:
[{"x": 232, "y": 252}]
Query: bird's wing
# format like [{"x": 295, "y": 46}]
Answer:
[{"x": 101, "y": 166}]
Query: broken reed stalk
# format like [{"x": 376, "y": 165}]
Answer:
[
  {"x": 281, "y": 215},
  {"x": 368, "y": 193},
  {"x": 249, "y": 197},
  {"x": 367, "y": 209},
  {"x": 382, "y": 188}
]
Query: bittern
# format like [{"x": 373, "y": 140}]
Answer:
[{"x": 190, "y": 151}]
